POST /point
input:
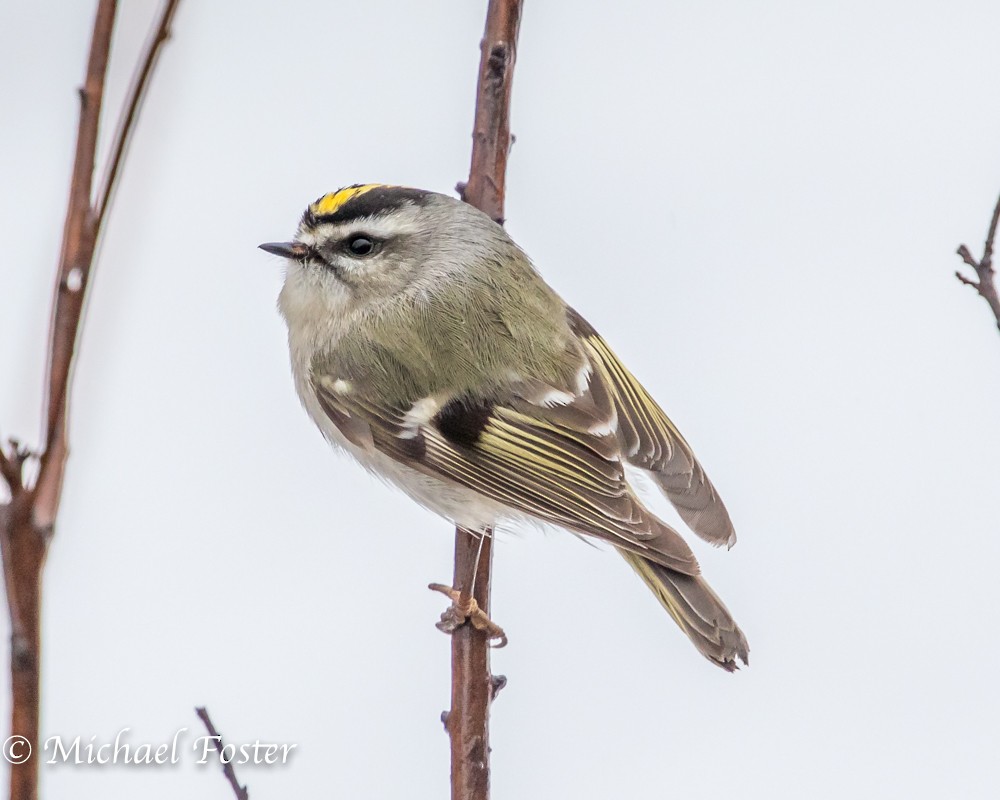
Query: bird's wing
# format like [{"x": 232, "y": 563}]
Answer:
[
  {"x": 651, "y": 441},
  {"x": 538, "y": 451}
]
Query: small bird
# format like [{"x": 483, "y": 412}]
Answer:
[{"x": 424, "y": 343}]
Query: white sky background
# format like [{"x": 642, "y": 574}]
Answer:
[{"x": 757, "y": 204}]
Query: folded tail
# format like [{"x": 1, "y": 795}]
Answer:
[{"x": 698, "y": 611}]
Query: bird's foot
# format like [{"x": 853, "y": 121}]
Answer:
[{"x": 464, "y": 610}]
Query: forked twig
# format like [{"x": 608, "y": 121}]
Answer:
[
  {"x": 986, "y": 285},
  {"x": 27, "y": 520}
]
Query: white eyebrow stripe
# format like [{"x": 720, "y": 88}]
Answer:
[{"x": 378, "y": 227}]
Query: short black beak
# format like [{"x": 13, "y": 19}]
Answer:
[{"x": 285, "y": 249}]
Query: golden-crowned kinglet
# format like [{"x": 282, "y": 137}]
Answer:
[{"x": 424, "y": 344}]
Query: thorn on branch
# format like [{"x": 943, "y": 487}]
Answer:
[{"x": 497, "y": 682}]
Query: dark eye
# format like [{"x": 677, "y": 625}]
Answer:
[{"x": 360, "y": 245}]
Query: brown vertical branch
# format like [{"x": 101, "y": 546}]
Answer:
[
  {"x": 26, "y": 522},
  {"x": 468, "y": 723},
  {"x": 491, "y": 130},
  {"x": 31, "y": 513},
  {"x": 986, "y": 285},
  {"x": 472, "y": 683}
]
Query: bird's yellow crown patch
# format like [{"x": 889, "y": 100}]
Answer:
[{"x": 332, "y": 202}]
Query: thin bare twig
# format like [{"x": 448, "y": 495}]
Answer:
[
  {"x": 136, "y": 96},
  {"x": 473, "y": 686},
  {"x": 986, "y": 285},
  {"x": 27, "y": 520},
  {"x": 227, "y": 768},
  {"x": 83, "y": 223}
]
